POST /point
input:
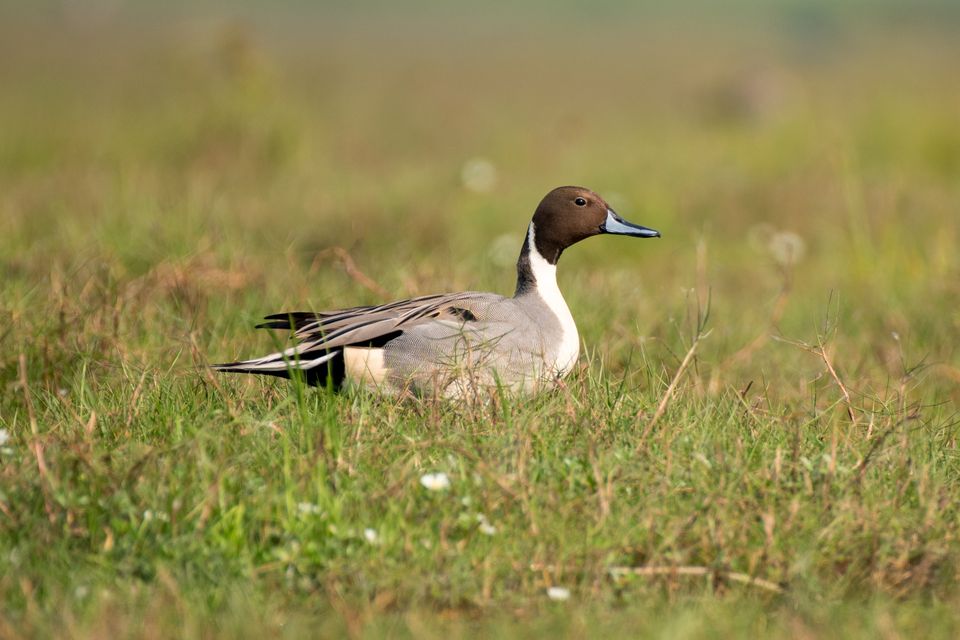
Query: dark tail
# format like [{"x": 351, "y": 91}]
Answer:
[{"x": 317, "y": 370}]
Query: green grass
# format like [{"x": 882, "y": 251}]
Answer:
[{"x": 163, "y": 188}]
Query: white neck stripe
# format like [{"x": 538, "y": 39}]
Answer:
[{"x": 545, "y": 285}]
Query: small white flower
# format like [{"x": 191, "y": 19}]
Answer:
[
  {"x": 371, "y": 535},
  {"x": 485, "y": 527},
  {"x": 435, "y": 481},
  {"x": 308, "y": 507},
  {"x": 4, "y": 436},
  {"x": 787, "y": 248},
  {"x": 478, "y": 175},
  {"x": 150, "y": 515},
  {"x": 558, "y": 594}
]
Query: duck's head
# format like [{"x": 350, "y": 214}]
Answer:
[{"x": 568, "y": 215}]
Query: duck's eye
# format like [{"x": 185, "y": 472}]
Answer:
[{"x": 580, "y": 202}]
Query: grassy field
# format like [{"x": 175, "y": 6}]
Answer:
[{"x": 785, "y": 465}]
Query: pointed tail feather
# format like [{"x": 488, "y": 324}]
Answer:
[
  {"x": 292, "y": 320},
  {"x": 283, "y": 364}
]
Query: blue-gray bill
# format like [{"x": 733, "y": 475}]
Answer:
[{"x": 618, "y": 226}]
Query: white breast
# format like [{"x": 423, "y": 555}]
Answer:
[{"x": 546, "y": 287}]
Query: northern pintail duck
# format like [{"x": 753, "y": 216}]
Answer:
[{"x": 452, "y": 343}]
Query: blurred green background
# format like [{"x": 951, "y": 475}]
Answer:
[
  {"x": 152, "y": 131},
  {"x": 170, "y": 172}
]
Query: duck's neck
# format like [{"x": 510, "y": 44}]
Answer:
[
  {"x": 536, "y": 274},
  {"x": 537, "y": 278},
  {"x": 526, "y": 278}
]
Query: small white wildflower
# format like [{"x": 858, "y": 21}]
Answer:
[
  {"x": 485, "y": 527},
  {"x": 371, "y": 535},
  {"x": 558, "y": 594},
  {"x": 478, "y": 175},
  {"x": 435, "y": 481},
  {"x": 160, "y": 516},
  {"x": 787, "y": 248},
  {"x": 62, "y": 392},
  {"x": 81, "y": 592},
  {"x": 308, "y": 507},
  {"x": 4, "y": 436}
]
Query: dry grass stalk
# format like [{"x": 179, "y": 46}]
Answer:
[
  {"x": 36, "y": 446},
  {"x": 665, "y": 400},
  {"x": 732, "y": 576},
  {"x": 820, "y": 350}
]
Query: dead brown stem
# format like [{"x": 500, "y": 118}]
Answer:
[
  {"x": 134, "y": 407},
  {"x": 662, "y": 407},
  {"x": 45, "y": 480},
  {"x": 822, "y": 352},
  {"x": 28, "y": 398},
  {"x": 732, "y": 576}
]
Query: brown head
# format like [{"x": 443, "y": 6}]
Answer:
[{"x": 568, "y": 215}]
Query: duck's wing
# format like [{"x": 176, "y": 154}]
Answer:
[{"x": 322, "y": 336}]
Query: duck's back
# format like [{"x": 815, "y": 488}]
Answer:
[{"x": 490, "y": 340}]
